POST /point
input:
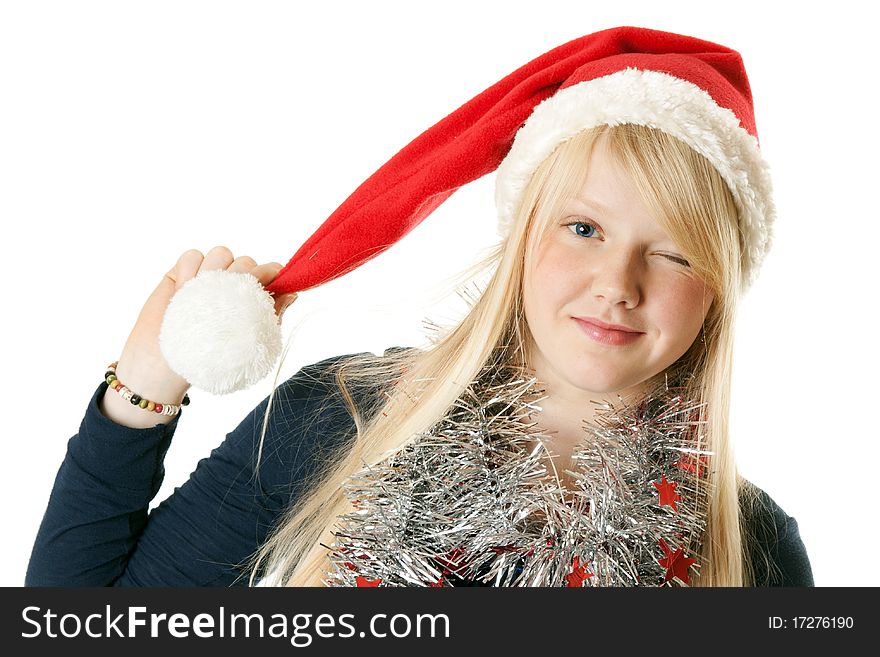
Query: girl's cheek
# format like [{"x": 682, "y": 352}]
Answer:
[
  {"x": 683, "y": 305},
  {"x": 561, "y": 270}
]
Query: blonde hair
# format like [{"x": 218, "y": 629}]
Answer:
[{"x": 694, "y": 206}]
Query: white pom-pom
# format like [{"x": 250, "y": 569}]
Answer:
[{"x": 220, "y": 331}]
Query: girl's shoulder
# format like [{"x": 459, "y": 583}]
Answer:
[
  {"x": 323, "y": 373},
  {"x": 778, "y": 554},
  {"x": 311, "y": 418},
  {"x": 323, "y": 389}
]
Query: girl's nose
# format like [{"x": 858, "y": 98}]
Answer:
[{"x": 615, "y": 277}]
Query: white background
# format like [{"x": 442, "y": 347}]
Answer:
[{"x": 131, "y": 132}]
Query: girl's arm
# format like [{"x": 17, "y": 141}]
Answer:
[
  {"x": 780, "y": 558},
  {"x": 97, "y": 530}
]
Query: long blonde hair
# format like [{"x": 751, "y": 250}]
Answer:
[{"x": 697, "y": 210}]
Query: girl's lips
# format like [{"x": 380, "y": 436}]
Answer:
[{"x": 607, "y": 336}]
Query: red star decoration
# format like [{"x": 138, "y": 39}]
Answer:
[
  {"x": 450, "y": 563},
  {"x": 363, "y": 581},
  {"x": 675, "y": 563},
  {"x": 438, "y": 584},
  {"x": 694, "y": 465},
  {"x": 667, "y": 492},
  {"x": 578, "y": 575}
]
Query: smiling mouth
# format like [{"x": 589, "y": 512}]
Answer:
[{"x": 611, "y": 337}]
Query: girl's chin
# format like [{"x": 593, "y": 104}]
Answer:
[
  {"x": 593, "y": 373},
  {"x": 590, "y": 382}
]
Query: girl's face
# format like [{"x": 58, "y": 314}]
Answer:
[{"x": 606, "y": 258}]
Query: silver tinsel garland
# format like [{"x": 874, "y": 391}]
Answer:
[{"x": 472, "y": 501}]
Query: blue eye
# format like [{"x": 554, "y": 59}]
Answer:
[{"x": 582, "y": 229}]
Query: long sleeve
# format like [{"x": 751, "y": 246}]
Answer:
[
  {"x": 779, "y": 557},
  {"x": 97, "y": 530}
]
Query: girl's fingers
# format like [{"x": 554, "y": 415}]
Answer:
[
  {"x": 242, "y": 264},
  {"x": 192, "y": 262},
  {"x": 186, "y": 267},
  {"x": 282, "y": 303},
  {"x": 267, "y": 272},
  {"x": 219, "y": 257}
]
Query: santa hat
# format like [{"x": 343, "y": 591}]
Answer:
[{"x": 220, "y": 331}]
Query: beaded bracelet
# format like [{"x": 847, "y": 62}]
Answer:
[{"x": 137, "y": 400}]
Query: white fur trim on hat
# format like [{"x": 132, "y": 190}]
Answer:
[{"x": 675, "y": 106}]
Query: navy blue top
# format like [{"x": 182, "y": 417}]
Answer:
[{"x": 97, "y": 530}]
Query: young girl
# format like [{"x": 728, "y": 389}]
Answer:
[{"x": 571, "y": 430}]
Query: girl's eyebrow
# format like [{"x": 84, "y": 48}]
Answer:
[{"x": 588, "y": 201}]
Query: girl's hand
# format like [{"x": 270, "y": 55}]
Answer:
[{"x": 142, "y": 366}]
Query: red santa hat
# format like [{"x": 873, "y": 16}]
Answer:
[{"x": 220, "y": 331}]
